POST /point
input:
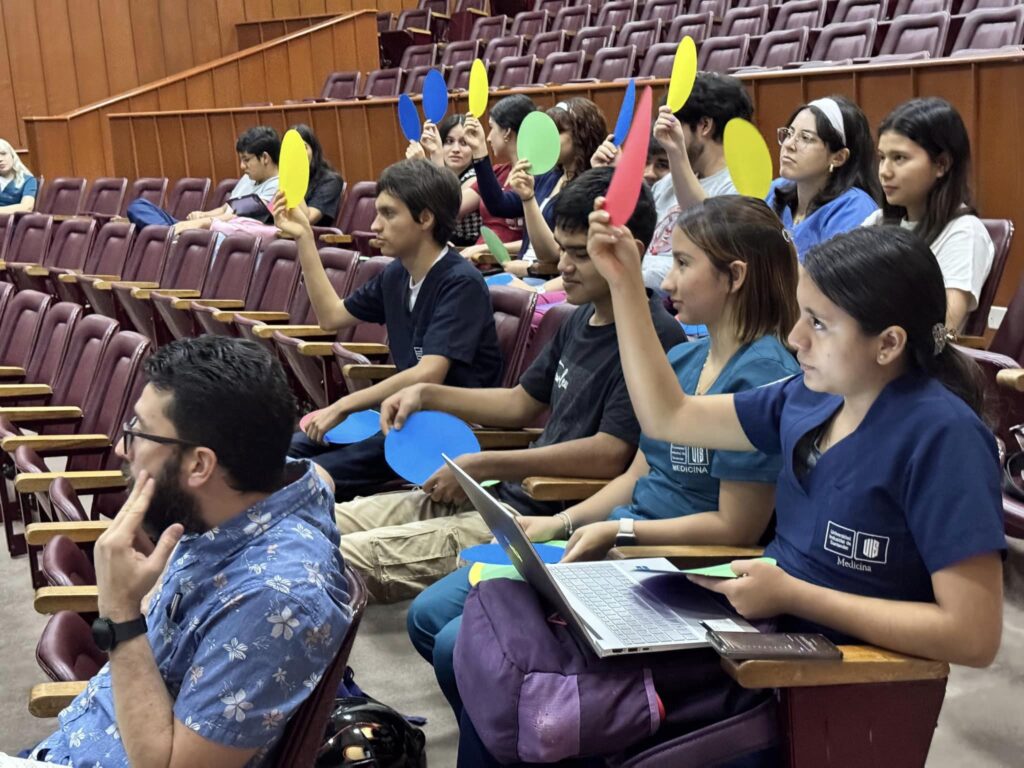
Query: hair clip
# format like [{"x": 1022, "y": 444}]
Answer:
[
  {"x": 941, "y": 336},
  {"x": 786, "y": 235}
]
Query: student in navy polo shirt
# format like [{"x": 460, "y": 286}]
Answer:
[
  {"x": 735, "y": 271},
  {"x": 18, "y": 187},
  {"x": 435, "y": 305}
]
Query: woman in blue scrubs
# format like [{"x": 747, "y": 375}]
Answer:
[
  {"x": 18, "y": 187},
  {"x": 828, "y": 168}
]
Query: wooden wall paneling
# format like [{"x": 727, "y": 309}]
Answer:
[
  {"x": 284, "y": 8},
  {"x": 177, "y": 36},
  {"x": 195, "y": 131},
  {"x": 9, "y": 123},
  {"x": 259, "y": 9},
  {"x": 122, "y": 142},
  {"x": 223, "y": 135},
  {"x": 172, "y": 96},
  {"x": 173, "y": 150},
  {"x": 148, "y": 153},
  {"x": 313, "y": 7},
  {"x": 149, "y": 41},
  {"x": 204, "y": 32},
  {"x": 302, "y": 81},
  {"x": 227, "y": 85},
  {"x": 54, "y": 135},
  {"x": 89, "y": 131},
  {"x": 229, "y": 13},
  {"x": 325, "y": 125},
  {"x": 278, "y": 73},
  {"x": 323, "y": 54},
  {"x": 199, "y": 93},
  {"x": 144, "y": 101},
  {"x": 115, "y": 20},
  {"x": 59, "y": 71},
  {"x": 247, "y": 35},
  {"x": 252, "y": 80},
  {"x": 25, "y": 57}
]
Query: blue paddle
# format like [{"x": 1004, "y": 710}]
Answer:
[
  {"x": 356, "y": 427},
  {"x": 409, "y": 118},
  {"x": 493, "y": 554},
  {"x": 435, "y": 96},
  {"x": 414, "y": 451},
  {"x": 625, "y": 118}
]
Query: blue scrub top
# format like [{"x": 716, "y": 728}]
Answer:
[
  {"x": 846, "y": 212},
  {"x": 914, "y": 489},
  {"x": 12, "y": 194},
  {"x": 685, "y": 479}
]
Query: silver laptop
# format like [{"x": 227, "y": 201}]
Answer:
[{"x": 619, "y": 607}]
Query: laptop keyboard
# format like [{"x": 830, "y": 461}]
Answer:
[{"x": 613, "y": 598}]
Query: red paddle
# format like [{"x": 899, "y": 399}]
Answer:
[{"x": 624, "y": 191}]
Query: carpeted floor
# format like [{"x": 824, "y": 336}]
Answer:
[{"x": 980, "y": 725}]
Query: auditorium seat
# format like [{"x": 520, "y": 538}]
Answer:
[
  {"x": 19, "y": 328},
  {"x": 858, "y": 10},
  {"x": 419, "y": 56},
  {"x": 1001, "y": 232},
  {"x": 383, "y": 82},
  {"x": 530, "y": 23},
  {"x": 695, "y": 25},
  {"x": 796, "y": 14},
  {"x": 52, "y": 338},
  {"x": 908, "y": 7},
  {"x": 221, "y": 193},
  {"x": 67, "y": 252},
  {"x": 62, "y": 197},
  {"x": 188, "y": 195},
  {"x": 572, "y": 18},
  {"x": 640, "y": 34},
  {"x": 414, "y": 18},
  {"x": 66, "y": 650},
  {"x": 720, "y": 54},
  {"x": 551, "y": 6},
  {"x": 745, "y": 21},
  {"x": 969, "y": 6},
  {"x": 268, "y": 295},
  {"x": 148, "y": 188},
  {"x": 781, "y": 47},
  {"x": 547, "y": 43},
  {"x": 7, "y": 222},
  {"x": 515, "y": 71},
  {"x": 612, "y": 63},
  {"x": 458, "y": 76},
  {"x": 991, "y": 28},
  {"x": 106, "y": 196},
  {"x": 414, "y": 79},
  {"x": 490, "y": 27},
  {"x": 560, "y": 68},
  {"x": 850, "y": 40},
  {"x": 716, "y": 8},
  {"x": 32, "y": 235},
  {"x": 658, "y": 60},
  {"x": 592, "y": 39},
  {"x": 617, "y": 13},
  {"x": 434, "y": 6},
  {"x": 107, "y": 256},
  {"x": 385, "y": 21},
  {"x": 228, "y": 280},
  {"x": 666, "y": 10},
  {"x": 462, "y": 50},
  {"x": 63, "y": 563},
  {"x": 499, "y": 48},
  {"x": 340, "y": 86},
  {"x": 918, "y": 32}
]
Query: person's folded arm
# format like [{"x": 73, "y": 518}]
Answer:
[
  {"x": 598, "y": 456},
  {"x": 431, "y": 369},
  {"x": 498, "y": 201},
  {"x": 617, "y": 493}
]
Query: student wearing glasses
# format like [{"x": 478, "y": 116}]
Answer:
[{"x": 828, "y": 169}]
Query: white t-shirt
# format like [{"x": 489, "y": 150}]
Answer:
[
  {"x": 266, "y": 189},
  {"x": 664, "y": 196},
  {"x": 963, "y": 249},
  {"x": 658, "y": 259},
  {"x": 414, "y": 288}
]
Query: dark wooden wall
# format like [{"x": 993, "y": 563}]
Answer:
[
  {"x": 78, "y": 143},
  {"x": 362, "y": 137}
]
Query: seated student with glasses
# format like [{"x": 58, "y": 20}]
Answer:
[
  {"x": 829, "y": 177},
  {"x": 220, "y": 631}
]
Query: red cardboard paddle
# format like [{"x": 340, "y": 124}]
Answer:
[{"x": 624, "y": 191}]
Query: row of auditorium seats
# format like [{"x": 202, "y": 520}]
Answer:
[
  {"x": 110, "y": 196},
  {"x": 746, "y": 38}
]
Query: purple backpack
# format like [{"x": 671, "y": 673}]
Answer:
[{"x": 537, "y": 694}]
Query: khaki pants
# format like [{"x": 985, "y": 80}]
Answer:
[{"x": 403, "y": 542}]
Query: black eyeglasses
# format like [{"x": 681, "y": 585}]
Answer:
[{"x": 129, "y": 433}]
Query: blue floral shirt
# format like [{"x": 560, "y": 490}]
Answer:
[{"x": 244, "y": 622}]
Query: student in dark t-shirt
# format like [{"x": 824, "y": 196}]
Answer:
[
  {"x": 323, "y": 196},
  {"x": 435, "y": 305}
]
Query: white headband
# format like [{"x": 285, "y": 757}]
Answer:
[{"x": 830, "y": 108}]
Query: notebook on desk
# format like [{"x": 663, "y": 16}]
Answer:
[{"x": 616, "y": 608}]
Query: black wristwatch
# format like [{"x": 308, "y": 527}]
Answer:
[
  {"x": 109, "y": 635},
  {"x": 626, "y": 537}
]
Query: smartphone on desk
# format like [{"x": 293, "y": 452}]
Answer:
[{"x": 776, "y": 645}]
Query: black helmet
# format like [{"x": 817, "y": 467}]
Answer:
[{"x": 383, "y": 735}]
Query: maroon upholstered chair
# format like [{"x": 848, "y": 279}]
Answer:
[
  {"x": 530, "y": 23},
  {"x": 62, "y": 197},
  {"x": 340, "y": 86},
  {"x": 1001, "y": 232},
  {"x": 513, "y": 312},
  {"x": 66, "y": 651},
  {"x": 666, "y": 10},
  {"x": 515, "y": 71},
  {"x": 106, "y": 196},
  {"x": 490, "y": 27},
  {"x": 612, "y": 63},
  {"x": 67, "y": 251},
  {"x": 185, "y": 268},
  {"x": 359, "y": 211},
  {"x": 850, "y": 40},
  {"x": 695, "y": 25},
  {"x": 858, "y": 10},
  {"x": 32, "y": 235},
  {"x": 911, "y": 7},
  {"x": 720, "y": 54},
  {"x": 921, "y": 32},
  {"x": 458, "y": 76},
  {"x": 617, "y": 13},
  {"x": 383, "y": 82},
  {"x": 590, "y": 40},
  {"x": 52, "y": 340},
  {"x": 152, "y": 189},
  {"x": 969, "y": 6},
  {"x": 658, "y": 60},
  {"x": 221, "y": 193},
  {"x": 551, "y": 6},
  {"x": 560, "y": 68},
  {"x": 7, "y": 222},
  {"x": 461, "y": 50},
  {"x": 715, "y": 7},
  {"x": 143, "y": 265},
  {"x": 188, "y": 195},
  {"x": 499, "y": 48},
  {"x": 796, "y": 14},
  {"x": 64, "y": 564},
  {"x": 547, "y": 43},
  {"x": 20, "y": 325},
  {"x": 414, "y": 79},
  {"x": 745, "y": 21},
  {"x": 991, "y": 28},
  {"x": 6, "y": 291},
  {"x": 781, "y": 47},
  {"x": 640, "y": 34},
  {"x": 227, "y": 282},
  {"x": 270, "y": 290},
  {"x": 419, "y": 56},
  {"x": 572, "y": 18}
]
